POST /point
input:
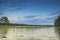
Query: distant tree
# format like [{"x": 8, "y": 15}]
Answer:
[
  {"x": 4, "y": 20},
  {"x": 57, "y": 21}
]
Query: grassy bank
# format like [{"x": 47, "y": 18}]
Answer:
[
  {"x": 58, "y": 28},
  {"x": 6, "y": 27}
]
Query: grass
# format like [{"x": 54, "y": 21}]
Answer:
[
  {"x": 57, "y": 28},
  {"x": 6, "y": 27},
  {"x": 28, "y": 27}
]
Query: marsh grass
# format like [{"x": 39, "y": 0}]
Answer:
[
  {"x": 6, "y": 27},
  {"x": 57, "y": 28},
  {"x": 29, "y": 27}
]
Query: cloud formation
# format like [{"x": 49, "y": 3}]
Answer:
[
  {"x": 37, "y": 20},
  {"x": 37, "y": 12}
]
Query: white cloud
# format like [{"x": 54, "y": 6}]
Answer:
[
  {"x": 12, "y": 19},
  {"x": 18, "y": 19},
  {"x": 43, "y": 17},
  {"x": 40, "y": 19}
]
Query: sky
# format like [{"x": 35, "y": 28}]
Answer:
[{"x": 35, "y": 12}]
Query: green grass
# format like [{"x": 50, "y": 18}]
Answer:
[
  {"x": 57, "y": 28},
  {"x": 6, "y": 27},
  {"x": 28, "y": 27}
]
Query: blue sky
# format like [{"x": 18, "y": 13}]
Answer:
[{"x": 36, "y": 12}]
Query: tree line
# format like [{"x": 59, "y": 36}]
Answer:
[{"x": 4, "y": 20}]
